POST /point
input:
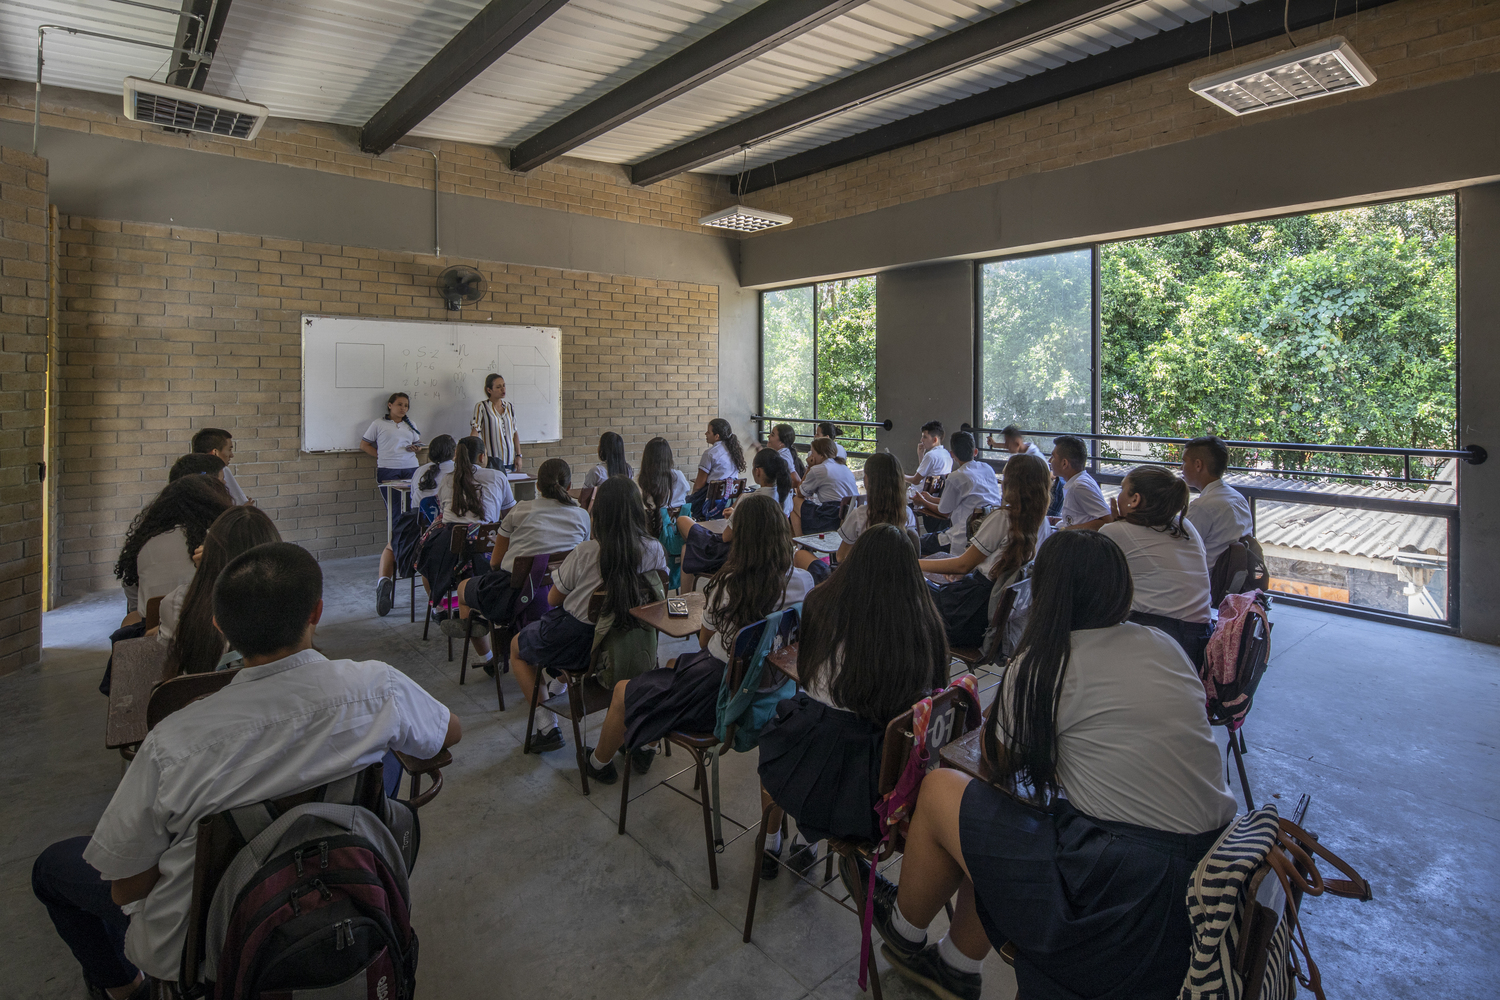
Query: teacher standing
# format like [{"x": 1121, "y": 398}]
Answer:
[{"x": 494, "y": 423}]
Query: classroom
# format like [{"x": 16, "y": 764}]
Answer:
[{"x": 1080, "y": 411}]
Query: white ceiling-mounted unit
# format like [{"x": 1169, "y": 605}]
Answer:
[
  {"x": 1301, "y": 74},
  {"x": 178, "y": 107},
  {"x": 744, "y": 220}
]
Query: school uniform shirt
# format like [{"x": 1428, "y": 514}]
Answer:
[
  {"x": 1133, "y": 741},
  {"x": 170, "y": 612},
  {"x": 839, "y": 451},
  {"x": 798, "y": 583},
  {"x": 391, "y": 441},
  {"x": 494, "y": 493},
  {"x": 970, "y": 485},
  {"x": 274, "y": 729},
  {"x": 680, "y": 489},
  {"x": 579, "y": 575},
  {"x": 163, "y": 564},
  {"x": 542, "y": 527},
  {"x": 1222, "y": 516},
  {"x": 417, "y": 493},
  {"x": 858, "y": 519},
  {"x": 828, "y": 482},
  {"x": 599, "y": 473},
  {"x": 789, "y": 459},
  {"x": 786, "y": 503},
  {"x": 1032, "y": 449},
  {"x": 937, "y": 462},
  {"x": 497, "y": 429},
  {"x": 990, "y": 538},
  {"x": 1170, "y": 574},
  {"x": 1082, "y": 501},
  {"x": 233, "y": 487},
  {"x": 717, "y": 463}
]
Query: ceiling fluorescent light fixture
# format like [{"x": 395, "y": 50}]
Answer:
[
  {"x": 1301, "y": 74},
  {"x": 744, "y": 220},
  {"x": 178, "y": 107}
]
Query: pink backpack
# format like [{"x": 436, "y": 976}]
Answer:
[{"x": 1237, "y": 657}]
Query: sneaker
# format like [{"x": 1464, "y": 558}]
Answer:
[
  {"x": 927, "y": 968},
  {"x": 803, "y": 857},
  {"x": 770, "y": 864},
  {"x": 885, "y": 903},
  {"x": 457, "y": 628},
  {"x": 606, "y": 775},
  {"x": 546, "y": 742},
  {"x": 385, "y": 596},
  {"x": 641, "y": 759}
]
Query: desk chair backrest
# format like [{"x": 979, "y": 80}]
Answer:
[
  {"x": 532, "y": 577},
  {"x": 933, "y": 485},
  {"x": 953, "y": 714},
  {"x": 473, "y": 539},
  {"x": 183, "y": 690},
  {"x": 153, "y": 614},
  {"x": 427, "y": 510},
  {"x": 977, "y": 516},
  {"x": 725, "y": 489},
  {"x": 586, "y": 497},
  {"x": 743, "y": 709},
  {"x": 849, "y": 503}
]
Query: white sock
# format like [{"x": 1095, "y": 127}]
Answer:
[
  {"x": 904, "y": 927},
  {"x": 383, "y": 578},
  {"x": 599, "y": 765},
  {"x": 949, "y": 953},
  {"x": 556, "y": 722},
  {"x": 773, "y": 842}
]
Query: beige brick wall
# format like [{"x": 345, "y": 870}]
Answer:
[
  {"x": 166, "y": 330},
  {"x": 1409, "y": 44},
  {"x": 585, "y": 187},
  {"x": 23, "y": 375}
]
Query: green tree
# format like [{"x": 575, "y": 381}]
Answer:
[
  {"x": 846, "y": 349},
  {"x": 1036, "y": 327}
]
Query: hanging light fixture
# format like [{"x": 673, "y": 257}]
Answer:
[
  {"x": 744, "y": 220},
  {"x": 1301, "y": 74}
]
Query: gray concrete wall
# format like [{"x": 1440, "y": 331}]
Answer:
[
  {"x": 924, "y": 352},
  {"x": 1479, "y": 410}
]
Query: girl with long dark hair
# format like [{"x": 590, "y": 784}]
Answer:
[
  {"x": 722, "y": 460},
  {"x": 1112, "y": 714},
  {"x": 157, "y": 555},
  {"x": 393, "y": 441},
  {"x": 783, "y": 441},
  {"x": 611, "y": 460},
  {"x": 1005, "y": 541},
  {"x": 622, "y": 548},
  {"x": 472, "y": 493},
  {"x": 885, "y": 502},
  {"x": 823, "y": 489},
  {"x": 187, "y": 614},
  {"x": 1148, "y": 521},
  {"x": 872, "y": 645},
  {"x": 756, "y": 579},
  {"x": 704, "y": 551},
  {"x": 662, "y": 484},
  {"x": 406, "y": 532}
]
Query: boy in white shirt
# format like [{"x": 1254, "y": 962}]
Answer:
[
  {"x": 970, "y": 485},
  {"x": 934, "y": 459},
  {"x": 1083, "y": 501},
  {"x": 1220, "y": 513},
  {"x": 308, "y": 720},
  {"x": 219, "y": 443}
]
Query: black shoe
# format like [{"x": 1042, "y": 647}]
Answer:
[
  {"x": 606, "y": 775},
  {"x": 385, "y": 596},
  {"x": 488, "y": 666},
  {"x": 885, "y": 903},
  {"x": 927, "y": 968},
  {"x": 803, "y": 857},
  {"x": 770, "y": 864},
  {"x": 546, "y": 742},
  {"x": 440, "y": 615},
  {"x": 641, "y": 759}
]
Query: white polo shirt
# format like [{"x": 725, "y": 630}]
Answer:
[
  {"x": 276, "y": 729},
  {"x": 970, "y": 485},
  {"x": 1082, "y": 500},
  {"x": 233, "y": 487},
  {"x": 494, "y": 492},
  {"x": 798, "y": 583},
  {"x": 717, "y": 463},
  {"x": 579, "y": 576},
  {"x": 1170, "y": 574},
  {"x": 417, "y": 493},
  {"x": 599, "y": 473},
  {"x": 829, "y": 481},
  {"x": 162, "y": 565},
  {"x": 1222, "y": 516},
  {"x": 542, "y": 527},
  {"x": 391, "y": 441},
  {"x": 937, "y": 462},
  {"x": 858, "y": 519},
  {"x": 990, "y": 538}
]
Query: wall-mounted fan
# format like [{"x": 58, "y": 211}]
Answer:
[{"x": 461, "y": 284}]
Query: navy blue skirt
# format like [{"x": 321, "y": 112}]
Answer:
[
  {"x": 822, "y": 765},
  {"x": 703, "y": 552},
  {"x": 1095, "y": 909},
  {"x": 493, "y": 596},
  {"x": 682, "y": 700},
  {"x": 558, "y": 642},
  {"x": 820, "y": 517}
]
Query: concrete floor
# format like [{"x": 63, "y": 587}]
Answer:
[{"x": 523, "y": 886}]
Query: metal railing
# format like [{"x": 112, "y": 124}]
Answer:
[
  {"x": 1314, "y": 487},
  {"x": 866, "y": 430}
]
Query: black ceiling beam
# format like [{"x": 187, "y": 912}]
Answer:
[
  {"x": 773, "y": 23},
  {"x": 1000, "y": 33},
  {"x": 186, "y": 71},
  {"x": 492, "y": 33},
  {"x": 1251, "y": 23}
]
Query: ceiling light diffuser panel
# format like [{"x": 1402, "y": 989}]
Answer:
[
  {"x": 1301, "y": 74},
  {"x": 744, "y": 220}
]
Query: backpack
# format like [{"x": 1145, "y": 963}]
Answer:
[
  {"x": 1239, "y": 569},
  {"x": 316, "y": 902},
  {"x": 1236, "y": 658}
]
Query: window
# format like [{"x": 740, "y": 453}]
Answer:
[{"x": 818, "y": 352}]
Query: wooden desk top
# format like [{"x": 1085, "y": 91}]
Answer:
[
  {"x": 136, "y": 671},
  {"x": 785, "y": 660},
  {"x": 717, "y": 525},
  {"x": 415, "y": 766},
  {"x": 655, "y": 615},
  {"x": 965, "y": 754},
  {"x": 826, "y": 542}
]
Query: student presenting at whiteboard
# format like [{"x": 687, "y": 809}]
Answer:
[
  {"x": 494, "y": 423},
  {"x": 394, "y": 443}
]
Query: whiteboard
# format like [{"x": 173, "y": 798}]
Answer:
[{"x": 350, "y": 366}]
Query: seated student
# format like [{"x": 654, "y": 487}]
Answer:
[
  {"x": 1083, "y": 501},
  {"x": 196, "y": 646},
  {"x": 1092, "y": 893},
  {"x": 197, "y": 465},
  {"x": 551, "y": 523},
  {"x": 1004, "y": 542},
  {"x": 406, "y": 532},
  {"x": 303, "y": 720},
  {"x": 471, "y": 494},
  {"x": 783, "y": 441},
  {"x": 1148, "y": 521},
  {"x": 611, "y": 460},
  {"x": 1220, "y": 513},
  {"x": 872, "y": 646},
  {"x": 757, "y": 579},
  {"x": 723, "y": 459},
  {"x": 704, "y": 551},
  {"x": 885, "y": 502},
  {"x": 823, "y": 489},
  {"x": 1013, "y": 441},
  {"x": 623, "y": 547},
  {"x": 219, "y": 443},
  {"x": 827, "y": 429},
  {"x": 933, "y": 458},
  {"x": 158, "y": 553},
  {"x": 972, "y": 484},
  {"x": 662, "y": 484}
]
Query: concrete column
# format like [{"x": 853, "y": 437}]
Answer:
[
  {"x": 1479, "y": 410},
  {"x": 924, "y": 352}
]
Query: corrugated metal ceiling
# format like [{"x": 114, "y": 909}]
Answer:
[{"x": 341, "y": 60}]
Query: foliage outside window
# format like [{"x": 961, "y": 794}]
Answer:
[{"x": 818, "y": 352}]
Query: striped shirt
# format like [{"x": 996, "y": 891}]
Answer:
[{"x": 496, "y": 430}]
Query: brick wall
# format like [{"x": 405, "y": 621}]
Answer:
[
  {"x": 165, "y": 330},
  {"x": 1409, "y": 44},
  {"x": 23, "y": 374},
  {"x": 585, "y": 187}
]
